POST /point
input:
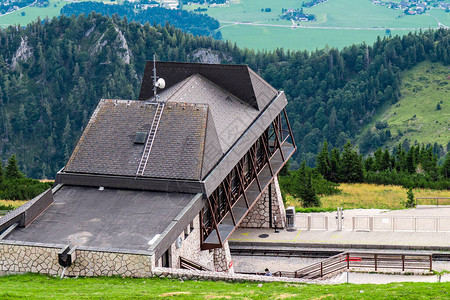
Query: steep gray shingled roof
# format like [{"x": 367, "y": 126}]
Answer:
[
  {"x": 107, "y": 147},
  {"x": 208, "y": 108},
  {"x": 231, "y": 115},
  {"x": 233, "y": 78}
]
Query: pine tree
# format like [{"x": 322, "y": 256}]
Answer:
[
  {"x": 446, "y": 166},
  {"x": 335, "y": 165},
  {"x": 323, "y": 162},
  {"x": 1, "y": 172},
  {"x": 12, "y": 170},
  {"x": 410, "y": 161},
  {"x": 410, "y": 201},
  {"x": 351, "y": 166},
  {"x": 309, "y": 196},
  {"x": 304, "y": 188}
]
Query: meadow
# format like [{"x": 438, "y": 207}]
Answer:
[
  {"x": 363, "y": 195},
  {"x": 32, "y": 13},
  {"x": 33, "y": 286},
  {"x": 415, "y": 116},
  {"x": 334, "y": 17}
]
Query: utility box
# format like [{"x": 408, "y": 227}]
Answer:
[
  {"x": 290, "y": 217},
  {"x": 66, "y": 256}
]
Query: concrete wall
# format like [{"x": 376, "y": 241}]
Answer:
[
  {"x": 42, "y": 258},
  {"x": 259, "y": 216}
]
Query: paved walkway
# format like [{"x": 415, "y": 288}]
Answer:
[{"x": 354, "y": 239}]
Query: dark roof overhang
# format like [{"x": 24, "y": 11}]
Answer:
[{"x": 233, "y": 78}]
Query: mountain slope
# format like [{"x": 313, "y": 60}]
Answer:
[{"x": 422, "y": 113}]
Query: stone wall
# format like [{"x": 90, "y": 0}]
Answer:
[
  {"x": 215, "y": 276},
  {"x": 190, "y": 248},
  {"x": 259, "y": 215},
  {"x": 41, "y": 258},
  {"x": 222, "y": 259}
]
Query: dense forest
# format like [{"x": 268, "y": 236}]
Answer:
[
  {"x": 53, "y": 73},
  {"x": 414, "y": 167},
  {"x": 197, "y": 24},
  {"x": 15, "y": 186}
]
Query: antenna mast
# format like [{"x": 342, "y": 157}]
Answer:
[
  {"x": 154, "y": 75},
  {"x": 157, "y": 82}
]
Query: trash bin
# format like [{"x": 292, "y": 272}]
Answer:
[{"x": 290, "y": 217}]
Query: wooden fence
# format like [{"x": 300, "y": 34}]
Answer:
[{"x": 361, "y": 260}]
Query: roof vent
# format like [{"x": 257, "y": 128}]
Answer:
[{"x": 140, "y": 137}]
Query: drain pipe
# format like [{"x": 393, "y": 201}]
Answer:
[{"x": 66, "y": 257}]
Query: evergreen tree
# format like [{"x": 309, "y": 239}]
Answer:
[
  {"x": 12, "y": 170},
  {"x": 309, "y": 196},
  {"x": 335, "y": 165},
  {"x": 410, "y": 201},
  {"x": 1, "y": 172},
  {"x": 304, "y": 188},
  {"x": 323, "y": 162},
  {"x": 351, "y": 166},
  {"x": 446, "y": 167},
  {"x": 410, "y": 161}
]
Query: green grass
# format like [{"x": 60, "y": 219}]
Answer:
[
  {"x": 334, "y": 13},
  {"x": 43, "y": 287},
  {"x": 367, "y": 196},
  {"x": 32, "y": 13},
  {"x": 415, "y": 116}
]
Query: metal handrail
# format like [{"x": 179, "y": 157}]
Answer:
[{"x": 347, "y": 260}]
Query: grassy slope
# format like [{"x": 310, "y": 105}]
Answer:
[
  {"x": 363, "y": 195},
  {"x": 43, "y": 287},
  {"x": 422, "y": 89},
  {"x": 334, "y": 13}
]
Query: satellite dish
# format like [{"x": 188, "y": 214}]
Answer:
[{"x": 160, "y": 83}]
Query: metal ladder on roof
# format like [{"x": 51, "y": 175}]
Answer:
[{"x": 150, "y": 139}]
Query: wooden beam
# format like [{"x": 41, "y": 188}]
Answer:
[
  {"x": 214, "y": 220},
  {"x": 242, "y": 183},
  {"x": 254, "y": 170},
  {"x": 267, "y": 156},
  {"x": 229, "y": 203},
  {"x": 275, "y": 124},
  {"x": 289, "y": 127}
]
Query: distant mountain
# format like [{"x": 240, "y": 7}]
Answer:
[
  {"x": 421, "y": 115},
  {"x": 53, "y": 73}
]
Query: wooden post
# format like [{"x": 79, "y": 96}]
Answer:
[
  {"x": 321, "y": 269},
  {"x": 403, "y": 262},
  {"x": 431, "y": 263},
  {"x": 375, "y": 259},
  {"x": 348, "y": 260}
]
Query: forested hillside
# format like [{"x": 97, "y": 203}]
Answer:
[
  {"x": 197, "y": 24},
  {"x": 53, "y": 73}
]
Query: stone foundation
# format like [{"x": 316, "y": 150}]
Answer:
[
  {"x": 259, "y": 216},
  {"x": 19, "y": 258},
  {"x": 190, "y": 248},
  {"x": 222, "y": 259}
]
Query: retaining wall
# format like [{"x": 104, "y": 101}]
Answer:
[{"x": 43, "y": 258}]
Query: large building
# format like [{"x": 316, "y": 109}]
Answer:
[{"x": 160, "y": 181}]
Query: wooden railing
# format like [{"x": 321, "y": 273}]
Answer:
[
  {"x": 191, "y": 265},
  {"x": 433, "y": 201},
  {"x": 362, "y": 260}
]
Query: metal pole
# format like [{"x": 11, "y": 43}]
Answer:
[
  {"x": 154, "y": 75},
  {"x": 403, "y": 262},
  {"x": 375, "y": 258}
]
